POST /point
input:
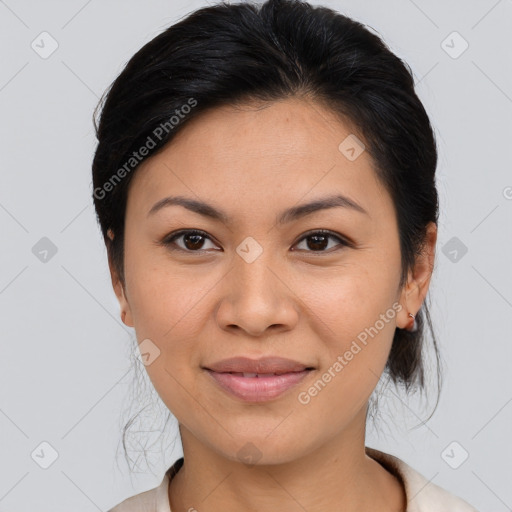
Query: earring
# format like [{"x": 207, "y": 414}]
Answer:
[{"x": 410, "y": 326}]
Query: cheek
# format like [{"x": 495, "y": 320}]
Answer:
[
  {"x": 163, "y": 297},
  {"x": 166, "y": 309},
  {"x": 354, "y": 320},
  {"x": 351, "y": 299}
]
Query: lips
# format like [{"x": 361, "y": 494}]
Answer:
[
  {"x": 257, "y": 380},
  {"x": 256, "y": 367},
  {"x": 257, "y": 389},
  {"x": 248, "y": 374}
]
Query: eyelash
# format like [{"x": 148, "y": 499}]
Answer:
[{"x": 169, "y": 240}]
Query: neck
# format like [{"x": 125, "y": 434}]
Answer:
[{"x": 338, "y": 475}]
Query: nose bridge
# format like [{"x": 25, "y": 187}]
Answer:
[
  {"x": 252, "y": 274},
  {"x": 255, "y": 298}
]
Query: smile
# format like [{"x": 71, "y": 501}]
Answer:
[{"x": 257, "y": 387}]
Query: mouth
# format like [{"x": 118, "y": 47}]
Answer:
[
  {"x": 260, "y": 375},
  {"x": 258, "y": 387},
  {"x": 269, "y": 365}
]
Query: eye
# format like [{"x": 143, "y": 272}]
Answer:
[
  {"x": 319, "y": 241},
  {"x": 193, "y": 240}
]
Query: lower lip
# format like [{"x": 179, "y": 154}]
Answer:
[{"x": 257, "y": 389}]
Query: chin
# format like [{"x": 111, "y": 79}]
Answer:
[{"x": 260, "y": 449}]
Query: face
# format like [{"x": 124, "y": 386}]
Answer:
[{"x": 320, "y": 287}]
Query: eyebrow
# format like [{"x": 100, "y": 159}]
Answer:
[{"x": 289, "y": 215}]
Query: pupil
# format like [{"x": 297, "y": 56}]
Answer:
[
  {"x": 315, "y": 244},
  {"x": 197, "y": 244}
]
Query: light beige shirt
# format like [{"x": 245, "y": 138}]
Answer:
[{"x": 422, "y": 495}]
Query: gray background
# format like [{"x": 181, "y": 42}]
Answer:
[{"x": 66, "y": 366}]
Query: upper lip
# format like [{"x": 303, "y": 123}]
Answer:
[{"x": 262, "y": 365}]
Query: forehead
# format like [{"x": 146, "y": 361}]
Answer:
[{"x": 258, "y": 155}]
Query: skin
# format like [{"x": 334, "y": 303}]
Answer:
[{"x": 295, "y": 300}]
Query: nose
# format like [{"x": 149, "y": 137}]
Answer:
[{"x": 256, "y": 298}]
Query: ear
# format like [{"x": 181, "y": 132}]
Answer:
[
  {"x": 118, "y": 286},
  {"x": 414, "y": 292}
]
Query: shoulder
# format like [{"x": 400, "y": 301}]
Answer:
[
  {"x": 143, "y": 502},
  {"x": 422, "y": 495},
  {"x": 154, "y": 500}
]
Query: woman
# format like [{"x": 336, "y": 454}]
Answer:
[{"x": 265, "y": 185}]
